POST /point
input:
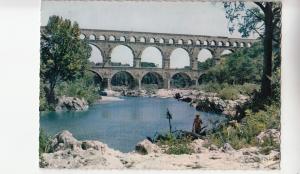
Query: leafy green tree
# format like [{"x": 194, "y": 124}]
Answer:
[
  {"x": 264, "y": 19},
  {"x": 64, "y": 56},
  {"x": 206, "y": 64}
]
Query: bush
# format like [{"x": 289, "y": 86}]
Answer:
[
  {"x": 44, "y": 142},
  {"x": 84, "y": 87},
  {"x": 245, "y": 133},
  {"x": 224, "y": 89},
  {"x": 176, "y": 146},
  {"x": 229, "y": 93}
]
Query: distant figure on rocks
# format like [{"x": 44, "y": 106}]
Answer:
[{"x": 197, "y": 124}]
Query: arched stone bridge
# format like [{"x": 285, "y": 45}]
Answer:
[{"x": 106, "y": 40}]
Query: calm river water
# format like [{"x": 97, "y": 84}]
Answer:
[{"x": 121, "y": 124}]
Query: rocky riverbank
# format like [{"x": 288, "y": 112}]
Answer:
[
  {"x": 202, "y": 101},
  {"x": 68, "y": 152}
]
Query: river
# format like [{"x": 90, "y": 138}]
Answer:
[{"x": 121, "y": 124}]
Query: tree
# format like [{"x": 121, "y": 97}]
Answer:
[
  {"x": 264, "y": 19},
  {"x": 64, "y": 56}
]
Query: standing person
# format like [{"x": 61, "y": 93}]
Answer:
[{"x": 197, "y": 124}]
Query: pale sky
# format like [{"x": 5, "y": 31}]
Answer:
[{"x": 200, "y": 18}]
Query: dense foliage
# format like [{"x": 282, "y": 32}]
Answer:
[
  {"x": 244, "y": 134},
  {"x": 264, "y": 19},
  {"x": 64, "y": 56},
  {"x": 242, "y": 66},
  {"x": 208, "y": 63},
  {"x": 85, "y": 87}
]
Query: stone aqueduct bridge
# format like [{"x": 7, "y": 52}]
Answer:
[{"x": 106, "y": 40}]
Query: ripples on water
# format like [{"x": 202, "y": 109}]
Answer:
[{"x": 121, "y": 124}]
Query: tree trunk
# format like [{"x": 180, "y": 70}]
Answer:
[
  {"x": 266, "y": 89},
  {"x": 51, "y": 93}
]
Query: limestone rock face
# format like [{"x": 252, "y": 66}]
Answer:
[
  {"x": 227, "y": 148},
  {"x": 274, "y": 134},
  {"x": 63, "y": 141},
  {"x": 67, "y": 152},
  {"x": 146, "y": 147},
  {"x": 71, "y": 103}
]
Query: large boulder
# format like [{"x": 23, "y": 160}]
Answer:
[
  {"x": 71, "y": 103},
  {"x": 68, "y": 152},
  {"x": 198, "y": 146},
  {"x": 146, "y": 147},
  {"x": 227, "y": 148},
  {"x": 274, "y": 134},
  {"x": 64, "y": 140}
]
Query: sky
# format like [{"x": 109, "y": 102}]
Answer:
[{"x": 200, "y": 18}]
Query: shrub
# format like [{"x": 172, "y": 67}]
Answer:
[
  {"x": 82, "y": 88},
  {"x": 247, "y": 88},
  {"x": 245, "y": 133},
  {"x": 229, "y": 93},
  {"x": 44, "y": 142},
  {"x": 176, "y": 146}
]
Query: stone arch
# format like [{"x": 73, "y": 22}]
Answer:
[
  {"x": 122, "y": 55},
  {"x": 235, "y": 44},
  {"x": 226, "y": 52},
  {"x": 171, "y": 41},
  {"x": 82, "y": 36},
  {"x": 189, "y": 42},
  {"x": 152, "y": 55},
  {"x": 198, "y": 42},
  {"x": 220, "y": 43},
  {"x": 179, "y": 58},
  {"x": 204, "y": 54},
  {"x": 227, "y": 44},
  {"x": 242, "y": 44},
  {"x": 249, "y": 45},
  {"x": 132, "y": 39},
  {"x": 205, "y": 42},
  {"x": 122, "y": 39},
  {"x": 161, "y": 41},
  {"x": 92, "y": 37},
  {"x": 212, "y": 43},
  {"x": 112, "y": 38},
  {"x": 96, "y": 55},
  {"x": 153, "y": 78},
  {"x": 102, "y": 37},
  {"x": 98, "y": 79},
  {"x": 202, "y": 79},
  {"x": 180, "y": 42},
  {"x": 143, "y": 39},
  {"x": 152, "y": 40},
  {"x": 180, "y": 80},
  {"x": 123, "y": 79}
]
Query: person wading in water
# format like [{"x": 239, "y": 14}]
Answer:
[{"x": 197, "y": 124}]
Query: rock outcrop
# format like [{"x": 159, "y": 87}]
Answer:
[
  {"x": 71, "y": 103},
  {"x": 272, "y": 134},
  {"x": 146, "y": 147},
  {"x": 68, "y": 152}
]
